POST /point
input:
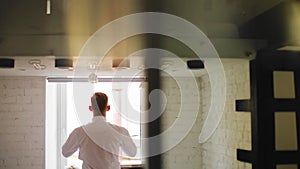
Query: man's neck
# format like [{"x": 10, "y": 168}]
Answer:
[{"x": 99, "y": 116}]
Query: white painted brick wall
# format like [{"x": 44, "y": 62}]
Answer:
[
  {"x": 22, "y": 122},
  {"x": 186, "y": 154},
  {"x": 234, "y": 131},
  {"x": 22, "y": 119}
]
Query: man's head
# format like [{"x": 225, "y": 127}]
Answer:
[{"x": 99, "y": 104}]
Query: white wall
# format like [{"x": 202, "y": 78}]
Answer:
[
  {"x": 22, "y": 116},
  {"x": 22, "y": 122},
  {"x": 234, "y": 131},
  {"x": 179, "y": 104}
]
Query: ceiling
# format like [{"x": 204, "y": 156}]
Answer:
[{"x": 27, "y": 32}]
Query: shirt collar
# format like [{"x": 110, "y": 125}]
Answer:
[{"x": 99, "y": 119}]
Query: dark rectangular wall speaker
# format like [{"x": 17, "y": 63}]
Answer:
[
  {"x": 195, "y": 64},
  {"x": 7, "y": 63},
  {"x": 64, "y": 63}
]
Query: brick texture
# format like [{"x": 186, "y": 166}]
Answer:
[
  {"x": 22, "y": 116},
  {"x": 234, "y": 130}
]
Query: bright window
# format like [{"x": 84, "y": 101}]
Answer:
[{"x": 67, "y": 108}]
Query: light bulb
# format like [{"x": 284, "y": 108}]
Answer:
[{"x": 93, "y": 78}]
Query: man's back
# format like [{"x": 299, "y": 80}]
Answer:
[{"x": 99, "y": 143}]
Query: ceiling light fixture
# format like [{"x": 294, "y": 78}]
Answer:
[
  {"x": 36, "y": 63},
  {"x": 93, "y": 77},
  {"x": 93, "y": 66},
  {"x": 48, "y": 7},
  {"x": 166, "y": 64}
]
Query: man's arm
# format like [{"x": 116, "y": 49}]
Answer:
[
  {"x": 71, "y": 144},
  {"x": 128, "y": 145}
]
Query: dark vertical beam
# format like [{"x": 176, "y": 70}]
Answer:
[
  {"x": 153, "y": 5},
  {"x": 254, "y": 118},
  {"x": 153, "y": 75},
  {"x": 297, "y": 94},
  {"x": 154, "y": 129}
]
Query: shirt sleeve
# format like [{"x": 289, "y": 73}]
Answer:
[
  {"x": 71, "y": 145},
  {"x": 128, "y": 145}
]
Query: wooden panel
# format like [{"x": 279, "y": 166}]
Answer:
[
  {"x": 289, "y": 166},
  {"x": 285, "y": 131},
  {"x": 284, "y": 84}
]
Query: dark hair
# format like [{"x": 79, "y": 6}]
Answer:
[{"x": 99, "y": 102}]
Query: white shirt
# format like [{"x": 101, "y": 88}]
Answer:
[{"x": 99, "y": 143}]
